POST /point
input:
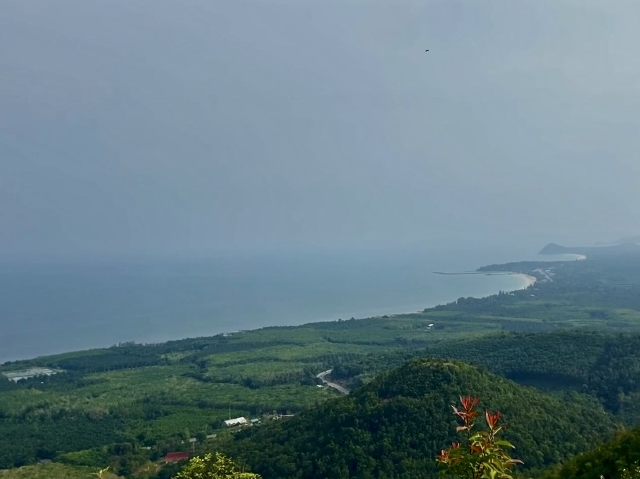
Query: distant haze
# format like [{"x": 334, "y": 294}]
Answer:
[{"x": 195, "y": 127}]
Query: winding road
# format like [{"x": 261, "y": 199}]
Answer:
[{"x": 322, "y": 377}]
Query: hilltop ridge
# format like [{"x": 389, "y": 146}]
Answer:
[{"x": 395, "y": 425}]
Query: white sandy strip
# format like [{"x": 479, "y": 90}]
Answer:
[{"x": 529, "y": 280}]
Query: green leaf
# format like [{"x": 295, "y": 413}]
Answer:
[{"x": 504, "y": 443}]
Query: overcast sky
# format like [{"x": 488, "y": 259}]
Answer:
[{"x": 188, "y": 127}]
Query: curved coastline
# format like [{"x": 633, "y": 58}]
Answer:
[
  {"x": 526, "y": 282},
  {"x": 152, "y": 332}
]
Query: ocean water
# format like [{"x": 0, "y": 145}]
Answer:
[{"x": 47, "y": 308}]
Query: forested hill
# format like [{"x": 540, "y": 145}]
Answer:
[
  {"x": 602, "y": 365},
  {"x": 395, "y": 426},
  {"x": 609, "y": 460}
]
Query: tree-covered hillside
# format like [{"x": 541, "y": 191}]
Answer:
[
  {"x": 602, "y": 365},
  {"x": 395, "y": 426},
  {"x": 609, "y": 460}
]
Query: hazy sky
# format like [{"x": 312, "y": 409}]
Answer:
[{"x": 186, "y": 127}]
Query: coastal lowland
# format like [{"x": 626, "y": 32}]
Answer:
[{"x": 558, "y": 358}]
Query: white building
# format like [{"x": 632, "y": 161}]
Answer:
[
  {"x": 29, "y": 373},
  {"x": 239, "y": 421}
]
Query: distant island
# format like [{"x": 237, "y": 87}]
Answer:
[
  {"x": 628, "y": 239},
  {"x": 623, "y": 248}
]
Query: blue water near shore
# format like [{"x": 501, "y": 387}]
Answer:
[{"x": 47, "y": 308}]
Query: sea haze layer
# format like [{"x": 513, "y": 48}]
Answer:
[{"x": 48, "y": 308}]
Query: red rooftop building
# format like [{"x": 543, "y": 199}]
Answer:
[{"x": 176, "y": 457}]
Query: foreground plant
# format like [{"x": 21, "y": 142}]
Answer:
[
  {"x": 480, "y": 455},
  {"x": 633, "y": 473},
  {"x": 102, "y": 473},
  {"x": 210, "y": 467}
]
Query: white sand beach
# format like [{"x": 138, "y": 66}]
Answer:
[{"x": 528, "y": 280}]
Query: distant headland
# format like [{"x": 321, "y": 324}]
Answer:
[{"x": 622, "y": 248}]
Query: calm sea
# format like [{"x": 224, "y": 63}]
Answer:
[{"x": 48, "y": 308}]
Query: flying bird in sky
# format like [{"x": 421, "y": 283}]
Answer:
[{"x": 426, "y": 50}]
